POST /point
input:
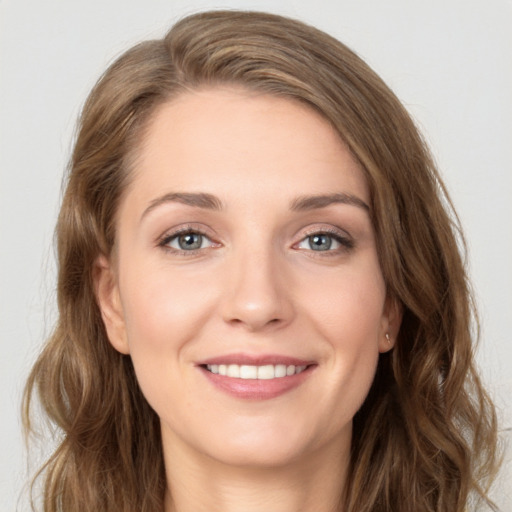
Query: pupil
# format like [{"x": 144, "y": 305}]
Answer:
[
  {"x": 190, "y": 241},
  {"x": 320, "y": 242}
]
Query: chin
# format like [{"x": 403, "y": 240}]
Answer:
[
  {"x": 266, "y": 442},
  {"x": 259, "y": 453}
]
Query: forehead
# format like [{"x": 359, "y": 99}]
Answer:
[{"x": 235, "y": 143}]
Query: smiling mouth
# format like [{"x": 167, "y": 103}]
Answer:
[
  {"x": 253, "y": 372},
  {"x": 256, "y": 377}
]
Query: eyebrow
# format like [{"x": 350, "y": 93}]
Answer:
[
  {"x": 313, "y": 202},
  {"x": 199, "y": 200},
  {"x": 211, "y": 202}
]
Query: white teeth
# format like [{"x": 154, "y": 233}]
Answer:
[
  {"x": 248, "y": 372},
  {"x": 265, "y": 372},
  {"x": 280, "y": 370},
  {"x": 233, "y": 371}
]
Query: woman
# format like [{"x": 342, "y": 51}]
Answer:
[{"x": 262, "y": 302}]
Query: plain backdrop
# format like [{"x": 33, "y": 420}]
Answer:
[{"x": 449, "y": 61}]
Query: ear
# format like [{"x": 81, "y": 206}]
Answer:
[
  {"x": 109, "y": 301},
  {"x": 391, "y": 321}
]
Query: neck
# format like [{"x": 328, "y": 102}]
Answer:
[{"x": 312, "y": 484}]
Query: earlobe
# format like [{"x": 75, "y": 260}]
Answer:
[
  {"x": 391, "y": 321},
  {"x": 109, "y": 302}
]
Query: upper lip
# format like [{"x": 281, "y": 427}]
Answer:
[{"x": 255, "y": 360}]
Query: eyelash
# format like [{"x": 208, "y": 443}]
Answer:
[
  {"x": 169, "y": 237},
  {"x": 346, "y": 243}
]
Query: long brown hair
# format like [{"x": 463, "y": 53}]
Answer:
[{"x": 425, "y": 438}]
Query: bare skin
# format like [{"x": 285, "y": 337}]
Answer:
[
  {"x": 245, "y": 238},
  {"x": 199, "y": 485}
]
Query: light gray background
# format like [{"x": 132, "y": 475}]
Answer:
[{"x": 449, "y": 61}]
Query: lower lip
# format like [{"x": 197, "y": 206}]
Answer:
[{"x": 257, "y": 389}]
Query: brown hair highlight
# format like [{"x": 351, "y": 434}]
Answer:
[{"x": 425, "y": 438}]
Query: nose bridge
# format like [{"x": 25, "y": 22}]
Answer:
[{"x": 257, "y": 296}]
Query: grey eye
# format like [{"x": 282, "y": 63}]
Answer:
[
  {"x": 188, "y": 241},
  {"x": 324, "y": 242},
  {"x": 320, "y": 242}
]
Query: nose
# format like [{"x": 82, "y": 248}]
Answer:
[{"x": 259, "y": 293}]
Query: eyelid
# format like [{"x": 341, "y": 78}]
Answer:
[
  {"x": 341, "y": 236},
  {"x": 323, "y": 229},
  {"x": 172, "y": 233}
]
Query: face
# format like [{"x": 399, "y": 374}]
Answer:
[{"x": 246, "y": 285}]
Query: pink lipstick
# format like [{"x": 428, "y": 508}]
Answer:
[{"x": 256, "y": 377}]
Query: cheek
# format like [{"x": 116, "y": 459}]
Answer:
[
  {"x": 347, "y": 312},
  {"x": 162, "y": 305},
  {"x": 348, "y": 304},
  {"x": 164, "y": 312}
]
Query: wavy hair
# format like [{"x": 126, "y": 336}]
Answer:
[{"x": 425, "y": 438}]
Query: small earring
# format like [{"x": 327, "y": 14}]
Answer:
[{"x": 388, "y": 339}]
